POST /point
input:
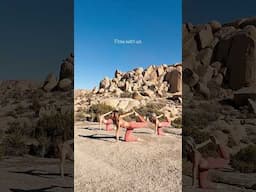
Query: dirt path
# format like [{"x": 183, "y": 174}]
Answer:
[{"x": 102, "y": 164}]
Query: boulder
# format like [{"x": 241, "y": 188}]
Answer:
[
  {"x": 237, "y": 52},
  {"x": 190, "y": 78},
  {"x": 242, "y": 95},
  {"x": 67, "y": 69},
  {"x": 205, "y": 36},
  {"x": 65, "y": 84},
  {"x": 215, "y": 25},
  {"x": 105, "y": 83},
  {"x": 50, "y": 82},
  {"x": 252, "y": 106},
  {"x": 124, "y": 104},
  {"x": 174, "y": 79},
  {"x": 205, "y": 56},
  {"x": 203, "y": 90}
]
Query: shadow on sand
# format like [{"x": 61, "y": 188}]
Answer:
[
  {"x": 92, "y": 129},
  {"x": 44, "y": 189},
  {"x": 39, "y": 173},
  {"x": 108, "y": 138}
]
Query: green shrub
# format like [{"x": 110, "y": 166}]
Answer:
[
  {"x": 148, "y": 109},
  {"x": 98, "y": 109},
  {"x": 126, "y": 95},
  {"x": 245, "y": 160},
  {"x": 14, "y": 140},
  {"x": 80, "y": 116},
  {"x": 53, "y": 129},
  {"x": 177, "y": 123}
]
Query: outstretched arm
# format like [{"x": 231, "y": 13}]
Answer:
[
  {"x": 159, "y": 116},
  {"x": 203, "y": 144},
  {"x": 105, "y": 114},
  {"x": 126, "y": 114},
  {"x": 102, "y": 117}
]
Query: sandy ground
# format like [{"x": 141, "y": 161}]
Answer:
[
  {"x": 220, "y": 187},
  {"x": 102, "y": 164},
  {"x": 31, "y": 174}
]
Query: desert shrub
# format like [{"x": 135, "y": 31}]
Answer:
[
  {"x": 35, "y": 104},
  {"x": 177, "y": 123},
  {"x": 80, "y": 116},
  {"x": 126, "y": 95},
  {"x": 98, "y": 109},
  {"x": 15, "y": 140},
  {"x": 53, "y": 129},
  {"x": 200, "y": 119},
  {"x": 148, "y": 109},
  {"x": 245, "y": 160}
]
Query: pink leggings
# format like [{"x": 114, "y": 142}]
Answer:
[
  {"x": 108, "y": 124},
  {"x": 166, "y": 123},
  {"x": 213, "y": 163},
  {"x": 134, "y": 125}
]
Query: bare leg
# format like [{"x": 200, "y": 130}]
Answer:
[
  {"x": 204, "y": 181},
  {"x": 129, "y": 137}
]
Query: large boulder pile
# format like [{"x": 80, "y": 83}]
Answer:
[
  {"x": 219, "y": 55},
  {"x": 66, "y": 77},
  {"x": 154, "y": 81}
]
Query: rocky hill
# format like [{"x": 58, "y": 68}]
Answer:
[
  {"x": 219, "y": 73},
  {"x": 35, "y": 115},
  {"x": 156, "y": 85},
  {"x": 219, "y": 56}
]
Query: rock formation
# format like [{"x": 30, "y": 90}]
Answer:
[
  {"x": 151, "y": 82},
  {"x": 220, "y": 55}
]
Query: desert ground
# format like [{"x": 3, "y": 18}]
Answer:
[
  {"x": 102, "y": 164},
  {"x": 30, "y": 174}
]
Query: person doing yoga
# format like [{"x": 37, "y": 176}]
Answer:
[
  {"x": 159, "y": 125},
  {"x": 119, "y": 121},
  {"x": 201, "y": 165},
  {"x": 108, "y": 122}
]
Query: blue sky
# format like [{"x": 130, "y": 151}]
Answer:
[
  {"x": 35, "y": 37},
  {"x": 98, "y": 22},
  {"x": 202, "y": 11}
]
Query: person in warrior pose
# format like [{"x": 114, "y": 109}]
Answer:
[
  {"x": 159, "y": 125},
  {"x": 201, "y": 165},
  {"x": 119, "y": 121},
  {"x": 107, "y": 122}
]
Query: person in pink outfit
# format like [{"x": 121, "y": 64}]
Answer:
[
  {"x": 201, "y": 165},
  {"x": 159, "y": 125},
  {"x": 119, "y": 121},
  {"x": 108, "y": 122}
]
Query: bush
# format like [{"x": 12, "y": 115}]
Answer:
[
  {"x": 80, "y": 116},
  {"x": 126, "y": 95},
  {"x": 148, "y": 109},
  {"x": 14, "y": 140},
  {"x": 245, "y": 160},
  {"x": 177, "y": 123},
  {"x": 53, "y": 129},
  {"x": 98, "y": 109}
]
